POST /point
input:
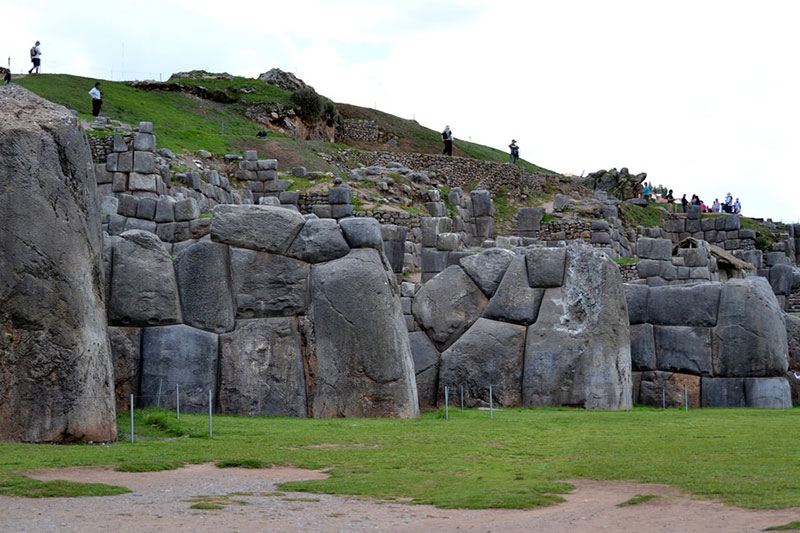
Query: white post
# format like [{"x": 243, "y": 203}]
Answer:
[
  {"x": 178, "y": 400},
  {"x": 446, "y": 404},
  {"x": 491, "y": 404},
  {"x": 462, "y": 397},
  {"x": 210, "y": 427},
  {"x": 685, "y": 397},
  {"x": 132, "y": 439}
]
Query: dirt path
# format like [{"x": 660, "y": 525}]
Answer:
[{"x": 159, "y": 503}]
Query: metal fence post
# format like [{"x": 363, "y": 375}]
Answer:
[
  {"x": 210, "y": 426},
  {"x": 132, "y": 438},
  {"x": 178, "y": 400},
  {"x": 446, "y": 404},
  {"x": 462, "y": 397},
  {"x": 491, "y": 404}
]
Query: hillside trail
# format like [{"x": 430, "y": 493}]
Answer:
[{"x": 160, "y": 501}]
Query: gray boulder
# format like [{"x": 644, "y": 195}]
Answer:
[
  {"x": 781, "y": 278},
  {"x": 261, "y": 369},
  {"x": 126, "y": 354},
  {"x": 487, "y": 268},
  {"x": 546, "y": 266},
  {"x": 426, "y": 368},
  {"x": 647, "y": 248},
  {"x": 514, "y": 300},
  {"x": 258, "y": 227},
  {"x": 578, "y": 351},
  {"x": 637, "y": 297},
  {"x": 722, "y": 392},
  {"x": 268, "y": 285},
  {"x": 144, "y": 291},
  {"x": 771, "y": 393},
  {"x": 359, "y": 343},
  {"x": 750, "y": 337},
  {"x": 180, "y": 356},
  {"x": 684, "y": 305},
  {"x": 447, "y": 306},
  {"x": 489, "y": 353},
  {"x": 657, "y": 389},
  {"x": 683, "y": 349},
  {"x": 204, "y": 283},
  {"x": 643, "y": 348},
  {"x": 793, "y": 340},
  {"x": 55, "y": 370},
  {"x": 320, "y": 240},
  {"x": 482, "y": 204},
  {"x": 362, "y": 232}
]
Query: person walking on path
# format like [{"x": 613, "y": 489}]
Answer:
[
  {"x": 514, "y": 152},
  {"x": 97, "y": 99},
  {"x": 36, "y": 55},
  {"x": 447, "y": 138}
]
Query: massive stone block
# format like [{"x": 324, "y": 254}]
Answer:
[
  {"x": 750, "y": 337},
  {"x": 546, "y": 266},
  {"x": 684, "y": 349},
  {"x": 258, "y": 227},
  {"x": 144, "y": 291},
  {"x": 55, "y": 367},
  {"x": 126, "y": 352},
  {"x": 204, "y": 283},
  {"x": 364, "y": 232},
  {"x": 657, "y": 389},
  {"x": 793, "y": 339},
  {"x": 514, "y": 300},
  {"x": 578, "y": 351},
  {"x": 261, "y": 369},
  {"x": 487, "y": 268},
  {"x": 637, "y": 297},
  {"x": 360, "y": 353},
  {"x": 643, "y": 348},
  {"x": 772, "y": 393},
  {"x": 684, "y": 305},
  {"x": 426, "y": 368},
  {"x": 447, "y": 306},
  {"x": 722, "y": 392},
  {"x": 489, "y": 353},
  {"x": 268, "y": 285},
  {"x": 183, "y": 356},
  {"x": 320, "y": 240}
]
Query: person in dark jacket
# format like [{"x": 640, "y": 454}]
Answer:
[{"x": 447, "y": 139}]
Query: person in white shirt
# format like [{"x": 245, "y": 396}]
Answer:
[
  {"x": 36, "y": 55},
  {"x": 97, "y": 99}
]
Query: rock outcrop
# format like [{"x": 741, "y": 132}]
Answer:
[{"x": 56, "y": 374}]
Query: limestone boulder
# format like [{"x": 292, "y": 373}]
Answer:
[
  {"x": 258, "y": 227},
  {"x": 56, "y": 373},
  {"x": 204, "y": 283},
  {"x": 320, "y": 240},
  {"x": 545, "y": 266},
  {"x": 261, "y": 369},
  {"x": 515, "y": 301},
  {"x": 578, "y": 351},
  {"x": 487, "y": 268},
  {"x": 793, "y": 339},
  {"x": 363, "y": 232},
  {"x": 489, "y": 353},
  {"x": 722, "y": 392},
  {"x": 144, "y": 290},
  {"x": 447, "y": 305},
  {"x": 684, "y": 305},
  {"x": 770, "y": 393},
  {"x": 668, "y": 389},
  {"x": 643, "y": 347},
  {"x": 684, "y": 349},
  {"x": 268, "y": 285},
  {"x": 637, "y": 297},
  {"x": 359, "y": 348},
  {"x": 182, "y": 356},
  {"x": 750, "y": 335}
]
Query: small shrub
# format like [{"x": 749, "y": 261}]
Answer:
[{"x": 310, "y": 105}]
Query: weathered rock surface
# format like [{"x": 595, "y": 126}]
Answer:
[
  {"x": 722, "y": 392},
  {"x": 448, "y": 305},
  {"x": 268, "y": 285},
  {"x": 683, "y": 349},
  {"x": 320, "y": 240},
  {"x": 56, "y": 373},
  {"x": 360, "y": 354},
  {"x": 643, "y": 348},
  {"x": 426, "y": 368},
  {"x": 770, "y": 393},
  {"x": 667, "y": 389},
  {"x": 546, "y": 266},
  {"x": 487, "y": 268},
  {"x": 687, "y": 305},
  {"x": 261, "y": 369},
  {"x": 204, "y": 283},
  {"x": 489, "y": 353},
  {"x": 144, "y": 291},
  {"x": 126, "y": 352},
  {"x": 750, "y": 337},
  {"x": 258, "y": 227},
  {"x": 578, "y": 351},
  {"x": 515, "y": 301},
  {"x": 363, "y": 232},
  {"x": 183, "y": 356},
  {"x": 793, "y": 339}
]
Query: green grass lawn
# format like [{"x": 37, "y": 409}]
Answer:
[
  {"x": 518, "y": 459},
  {"x": 649, "y": 217}
]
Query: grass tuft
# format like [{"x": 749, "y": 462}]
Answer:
[
  {"x": 241, "y": 463},
  {"x": 641, "y": 498},
  {"x": 791, "y": 526},
  {"x": 18, "y": 485}
]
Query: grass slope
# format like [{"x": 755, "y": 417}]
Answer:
[{"x": 745, "y": 457}]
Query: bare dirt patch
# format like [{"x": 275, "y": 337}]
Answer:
[{"x": 161, "y": 501}]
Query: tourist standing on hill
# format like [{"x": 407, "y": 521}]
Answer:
[
  {"x": 646, "y": 192},
  {"x": 513, "y": 152},
  {"x": 670, "y": 198},
  {"x": 97, "y": 99},
  {"x": 684, "y": 202},
  {"x": 737, "y": 207},
  {"x": 447, "y": 138},
  {"x": 7, "y": 78},
  {"x": 36, "y": 58}
]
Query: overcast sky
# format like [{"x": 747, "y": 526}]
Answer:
[{"x": 702, "y": 95}]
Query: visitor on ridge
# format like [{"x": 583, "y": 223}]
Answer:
[
  {"x": 36, "y": 55},
  {"x": 715, "y": 207},
  {"x": 670, "y": 198},
  {"x": 737, "y": 207},
  {"x": 447, "y": 138},
  {"x": 514, "y": 152},
  {"x": 646, "y": 192},
  {"x": 684, "y": 202},
  {"x": 97, "y": 99},
  {"x": 7, "y": 78}
]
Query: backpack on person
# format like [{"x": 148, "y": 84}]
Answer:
[
  {"x": 515, "y": 152},
  {"x": 33, "y": 52},
  {"x": 445, "y": 137}
]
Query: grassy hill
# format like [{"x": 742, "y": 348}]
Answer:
[{"x": 186, "y": 123}]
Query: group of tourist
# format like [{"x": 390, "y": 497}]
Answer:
[
  {"x": 728, "y": 206},
  {"x": 447, "y": 139}
]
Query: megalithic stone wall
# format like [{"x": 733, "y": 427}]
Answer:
[
  {"x": 56, "y": 377},
  {"x": 726, "y": 342},
  {"x": 542, "y": 326}
]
